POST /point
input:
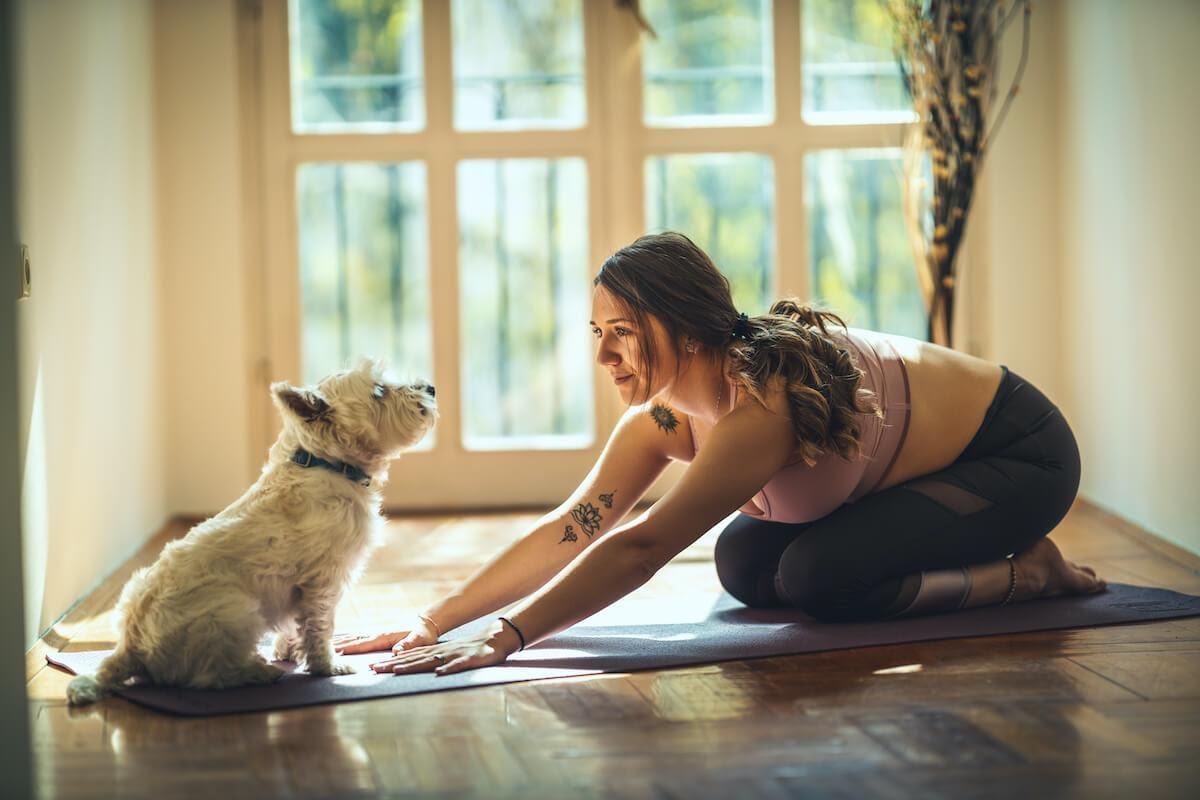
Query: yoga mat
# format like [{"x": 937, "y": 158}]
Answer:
[{"x": 730, "y": 632}]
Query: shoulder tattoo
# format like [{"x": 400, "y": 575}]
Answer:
[{"x": 664, "y": 418}]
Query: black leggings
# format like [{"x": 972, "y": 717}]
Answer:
[{"x": 898, "y": 551}]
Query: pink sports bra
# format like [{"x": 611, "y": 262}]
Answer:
[{"x": 800, "y": 493}]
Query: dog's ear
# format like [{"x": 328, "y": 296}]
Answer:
[
  {"x": 369, "y": 364},
  {"x": 307, "y": 404}
]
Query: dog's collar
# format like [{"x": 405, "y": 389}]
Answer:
[{"x": 307, "y": 459}]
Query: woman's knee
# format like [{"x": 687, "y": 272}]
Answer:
[
  {"x": 745, "y": 567},
  {"x": 826, "y": 585},
  {"x": 806, "y": 578}
]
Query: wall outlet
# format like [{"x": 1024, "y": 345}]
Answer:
[{"x": 25, "y": 271}]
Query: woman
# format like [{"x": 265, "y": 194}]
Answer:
[{"x": 878, "y": 476}]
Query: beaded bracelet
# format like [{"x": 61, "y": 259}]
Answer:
[
  {"x": 1012, "y": 581},
  {"x": 520, "y": 635}
]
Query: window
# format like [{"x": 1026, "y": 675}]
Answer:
[{"x": 444, "y": 178}]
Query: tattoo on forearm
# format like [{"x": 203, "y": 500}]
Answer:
[
  {"x": 664, "y": 418},
  {"x": 588, "y": 517}
]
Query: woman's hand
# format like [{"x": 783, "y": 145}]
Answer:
[
  {"x": 419, "y": 634},
  {"x": 482, "y": 650}
]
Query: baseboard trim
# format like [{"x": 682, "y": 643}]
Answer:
[{"x": 1179, "y": 555}]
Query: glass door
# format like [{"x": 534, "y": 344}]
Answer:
[
  {"x": 442, "y": 178},
  {"x": 427, "y": 170}
]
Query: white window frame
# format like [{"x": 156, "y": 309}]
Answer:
[{"x": 614, "y": 143}]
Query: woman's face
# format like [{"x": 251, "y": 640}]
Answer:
[{"x": 617, "y": 349}]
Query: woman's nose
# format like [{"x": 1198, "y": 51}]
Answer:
[{"x": 606, "y": 355}]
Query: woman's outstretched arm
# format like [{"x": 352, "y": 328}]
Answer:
[
  {"x": 632, "y": 459},
  {"x": 748, "y": 446}
]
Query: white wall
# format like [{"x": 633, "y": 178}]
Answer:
[
  {"x": 1017, "y": 317},
  {"x": 1092, "y": 274},
  {"x": 204, "y": 257},
  {"x": 90, "y": 350},
  {"x": 1130, "y": 206}
]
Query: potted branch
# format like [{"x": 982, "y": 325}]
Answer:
[{"x": 947, "y": 52}]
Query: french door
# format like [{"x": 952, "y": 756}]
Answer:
[{"x": 441, "y": 179}]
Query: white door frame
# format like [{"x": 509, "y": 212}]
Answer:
[{"x": 614, "y": 143}]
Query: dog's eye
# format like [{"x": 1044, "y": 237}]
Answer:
[{"x": 380, "y": 391}]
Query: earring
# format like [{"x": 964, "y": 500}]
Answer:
[{"x": 690, "y": 347}]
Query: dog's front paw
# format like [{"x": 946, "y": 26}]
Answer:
[
  {"x": 325, "y": 669},
  {"x": 285, "y": 648},
  {"x": 339, "y": 667}
]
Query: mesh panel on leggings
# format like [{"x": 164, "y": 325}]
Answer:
[{"x": 949, "y": 496}]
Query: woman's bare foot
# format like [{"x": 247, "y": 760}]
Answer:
[{"x": 1043, "y": 572}]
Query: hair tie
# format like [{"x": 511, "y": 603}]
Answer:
[{"x": 741, "y": 328}]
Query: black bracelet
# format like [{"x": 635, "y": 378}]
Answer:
[{"x": 520, "y": 635}]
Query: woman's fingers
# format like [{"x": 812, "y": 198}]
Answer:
[
  {"x": 443, "y": 659},
  {"x": 421, "y": 665},
  {"x": 388, "y": 664},
  {"x": 454, "y": 665},
  {"x": 365, "y": 643},
  {"x": 421, "y": 659},
  {"x": 401, "y": 666},
  {"x": 412, "y": 640},
  {"x": 350, "y": 643}
]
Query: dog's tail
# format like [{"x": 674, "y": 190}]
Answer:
[{"x": 114, "y": 670}]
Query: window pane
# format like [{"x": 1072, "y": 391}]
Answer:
[
  {"x": 518, "y": 65},
  {"x": 524, "y": 299},
  {"x": 850, "y": 72},
  {"x": 712, "y": 63},
  {"x": 724, "y": 202},
  {"x": 364, "y": 268},
  {"x": 862, "y": 263},
  {"x": 356, "y": 66}
]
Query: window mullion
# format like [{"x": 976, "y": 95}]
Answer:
[
  {"x": 618, "y": 124},
  {"x": 442, "y": 219},
  {"x": 791, "y": 225}
]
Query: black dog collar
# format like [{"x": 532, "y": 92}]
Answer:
[{"x": 307, "y": 459}]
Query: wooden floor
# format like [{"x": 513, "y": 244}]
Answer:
[{"x": 1098, "y": 712}]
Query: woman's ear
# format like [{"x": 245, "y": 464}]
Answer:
[{"x": 305, "y": 404}]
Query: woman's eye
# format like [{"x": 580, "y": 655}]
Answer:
[{"x": 596, "y": 332}]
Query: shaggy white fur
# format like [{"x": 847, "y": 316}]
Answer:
[{"x": 280, "y": 557}]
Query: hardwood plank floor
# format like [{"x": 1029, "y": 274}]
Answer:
[{"x": 1095, "y": 712}]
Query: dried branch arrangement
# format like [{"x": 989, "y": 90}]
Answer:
[{"x": 947, "y": 52}]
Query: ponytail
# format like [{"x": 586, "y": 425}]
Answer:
[{"x": 824, "y": 387}]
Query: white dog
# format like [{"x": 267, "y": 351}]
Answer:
[{"x": 281, "y": 556}]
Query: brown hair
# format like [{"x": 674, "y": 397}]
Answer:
[{"x": 668, "y": 277}]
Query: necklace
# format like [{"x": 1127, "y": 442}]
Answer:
[{"x": 720, "y": 396}]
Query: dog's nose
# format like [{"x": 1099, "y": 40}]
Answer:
[{"x": 429, "y": 390}]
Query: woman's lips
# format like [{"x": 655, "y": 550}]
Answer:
[{"x": 619, "y": 379}]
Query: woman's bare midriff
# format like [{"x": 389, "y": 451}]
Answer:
[{"x": 949, "y": 392}]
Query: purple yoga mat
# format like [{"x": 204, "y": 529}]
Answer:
[{"x": 730, "y": 632}]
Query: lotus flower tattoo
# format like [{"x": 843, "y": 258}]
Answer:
[{"x": 588, "y": 517}]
